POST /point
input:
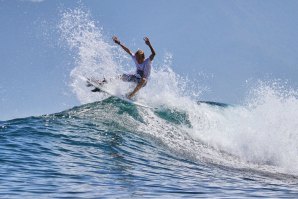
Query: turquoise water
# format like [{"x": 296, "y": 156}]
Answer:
[{"x": 110, "y": 149}]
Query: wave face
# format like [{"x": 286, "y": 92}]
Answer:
[{"x": 183, "y": 148}]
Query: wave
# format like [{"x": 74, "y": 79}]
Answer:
[
  {"x": 206, "y": 139},
  {"x": 85, "y": 133}
]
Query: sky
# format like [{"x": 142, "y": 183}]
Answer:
[{"x": 225, "y": 46}]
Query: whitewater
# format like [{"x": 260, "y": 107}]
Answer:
[{"x": 107, "y": 147}]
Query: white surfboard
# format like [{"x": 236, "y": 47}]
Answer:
[{"x": 96, "y": 84}]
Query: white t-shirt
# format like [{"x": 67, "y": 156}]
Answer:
[{"x": 145, "y": 66}]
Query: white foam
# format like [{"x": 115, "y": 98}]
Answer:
[
  {"x": 95, "y": 56},
  {"x": 263, "y": 132}
]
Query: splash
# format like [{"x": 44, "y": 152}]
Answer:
[
  {"x": 262, "y": 132},
  {"x": 95, "y": 56},
  {"x": 274, "y": 136}
]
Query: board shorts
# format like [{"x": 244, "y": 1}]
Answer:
[{"x": 136, "y": 78}]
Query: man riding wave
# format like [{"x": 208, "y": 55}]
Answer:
[{"x": 143, "y": 67}]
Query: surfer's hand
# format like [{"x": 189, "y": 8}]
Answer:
[
  {"x": 146, "y": 39},
  {"x": 116, "y": 40}
]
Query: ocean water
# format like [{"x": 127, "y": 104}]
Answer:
[
  {"x": 108, "y": 148},
  {"x": 114, "y": 149}
]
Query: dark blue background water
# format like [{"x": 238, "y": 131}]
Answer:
[{"x": 96, "y": 150}]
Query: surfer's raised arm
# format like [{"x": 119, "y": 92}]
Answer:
[
  {"x": 116, "y": 40},
  {"x": 147, "y": 41}
]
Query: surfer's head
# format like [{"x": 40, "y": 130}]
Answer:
[{"x": 140, "y": 56}]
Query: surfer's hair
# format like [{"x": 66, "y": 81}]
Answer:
[{"x": 140, "y": 53}]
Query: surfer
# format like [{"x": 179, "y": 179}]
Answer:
[{"x": 143, "y": 66}]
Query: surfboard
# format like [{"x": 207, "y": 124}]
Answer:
[{"x": 103, "y": 88}]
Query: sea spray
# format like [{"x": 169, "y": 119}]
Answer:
[
  {"x": 94, "y": 56},
  {"x": 97, "y": 57},
  {"x": 262, "y": 132},
  {"x": 274, "y": 132}
]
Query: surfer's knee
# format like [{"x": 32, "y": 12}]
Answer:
[{"x": 143, "y": 80}]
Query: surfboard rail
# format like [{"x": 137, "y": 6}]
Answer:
[{"x": 96, "y": 84}]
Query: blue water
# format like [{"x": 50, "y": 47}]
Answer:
[{"x": 97, "y": 150}]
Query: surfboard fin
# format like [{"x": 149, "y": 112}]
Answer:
[{"x": 96, "y": 90}]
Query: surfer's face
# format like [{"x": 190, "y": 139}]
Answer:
[{"x": 140, "y": 57}]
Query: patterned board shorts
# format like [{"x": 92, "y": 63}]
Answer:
[{"x": 132, "y": 78}]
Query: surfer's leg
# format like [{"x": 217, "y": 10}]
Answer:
[
  {"x": 139, "y": 80},
  {"x": 129, "y": 78}
]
